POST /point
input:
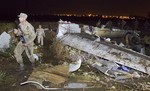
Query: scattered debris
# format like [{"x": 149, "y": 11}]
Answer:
[
  {"x": 87, "y": 30},
  {"x": 4, "y": 41},
  {"x": 75, "y": 66},
  {"x": 116, "y": 62},
  {"x": 36, "y": 57},
  {"x": 67, "y": 27},
  {"x": 108, "y": 51}
]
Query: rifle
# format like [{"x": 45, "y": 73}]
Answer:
[
  {"x": 23, "y": 39},
  {"x": 10, "y": 31}
]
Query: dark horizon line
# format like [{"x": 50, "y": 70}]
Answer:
[
  {"x": 14, "y": 17},
  {"x": 86, "y": 15},
  {"x": 29, "y": 14}
]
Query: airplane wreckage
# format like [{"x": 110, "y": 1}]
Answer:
[
  {"x": 108, "y": 57},
  {"x": 105, "y": 50}
]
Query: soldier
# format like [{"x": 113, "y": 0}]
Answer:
[
  {"x": 40, "y": 34},
  {"x": 98, "y": 24},
  {"x": 136, "y": 24},
  {"x": 109, "y": 24},
  {"x": 26, "y": 29},
  {"x": 123, "y": 23},
  {"x": 146, "y": 25}
]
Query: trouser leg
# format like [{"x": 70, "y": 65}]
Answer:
[
  {"x": 38, "y": 39},
  {"x": 18, "y": 54},
  {"x": 41, "y": 40},
  {"x": 30, "y": 54}
]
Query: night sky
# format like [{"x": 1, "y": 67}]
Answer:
[{"x": 107, "y": 7}]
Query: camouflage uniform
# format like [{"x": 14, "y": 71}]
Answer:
[
  {"x": 30, "y": 35},
  {"x": 40, "y": 34}
]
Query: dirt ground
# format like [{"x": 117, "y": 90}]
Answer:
[{"x": 10, "y": 79}]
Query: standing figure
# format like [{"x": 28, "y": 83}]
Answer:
[
  {"x": 40, "y": 34},
  {"x": 123, "y": 23},
  {"x": 109, "y": 24},
  {"x": 146, "y": 25},
  {"x": 98, "y": 24},
  {"x": 136, "y": 24},
  {"x": 27, "y": 35}
]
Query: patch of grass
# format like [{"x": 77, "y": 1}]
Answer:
[
  {"x": 4, "y": 26},
  {"x": 58, "y": 52},
  {"x": 2, "y": 77},
  {"x": 5, "y": 80}
]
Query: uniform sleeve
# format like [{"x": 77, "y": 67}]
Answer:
[
  {"x": 18, "y": 33},
  {"x": 32, "y": 34}
]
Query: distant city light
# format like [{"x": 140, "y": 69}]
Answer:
[
  {"x": 89, "y": 15},
  {"x": 124, "y": 17},
  {"x": 96, "y": 15}
]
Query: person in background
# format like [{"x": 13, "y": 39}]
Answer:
[
  {"x": 136, "y": 24},
  {"x": 40, "y": 34},
  {"x": 123, "y": 23},
  {"x": 109, "y": 24},
  {"x": 27, "y": 35},
  {"x": 98, "y": 24},
  {"x": 146, "y": 25}
]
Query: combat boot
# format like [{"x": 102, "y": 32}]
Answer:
[{"x": 33, "y": 65}]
